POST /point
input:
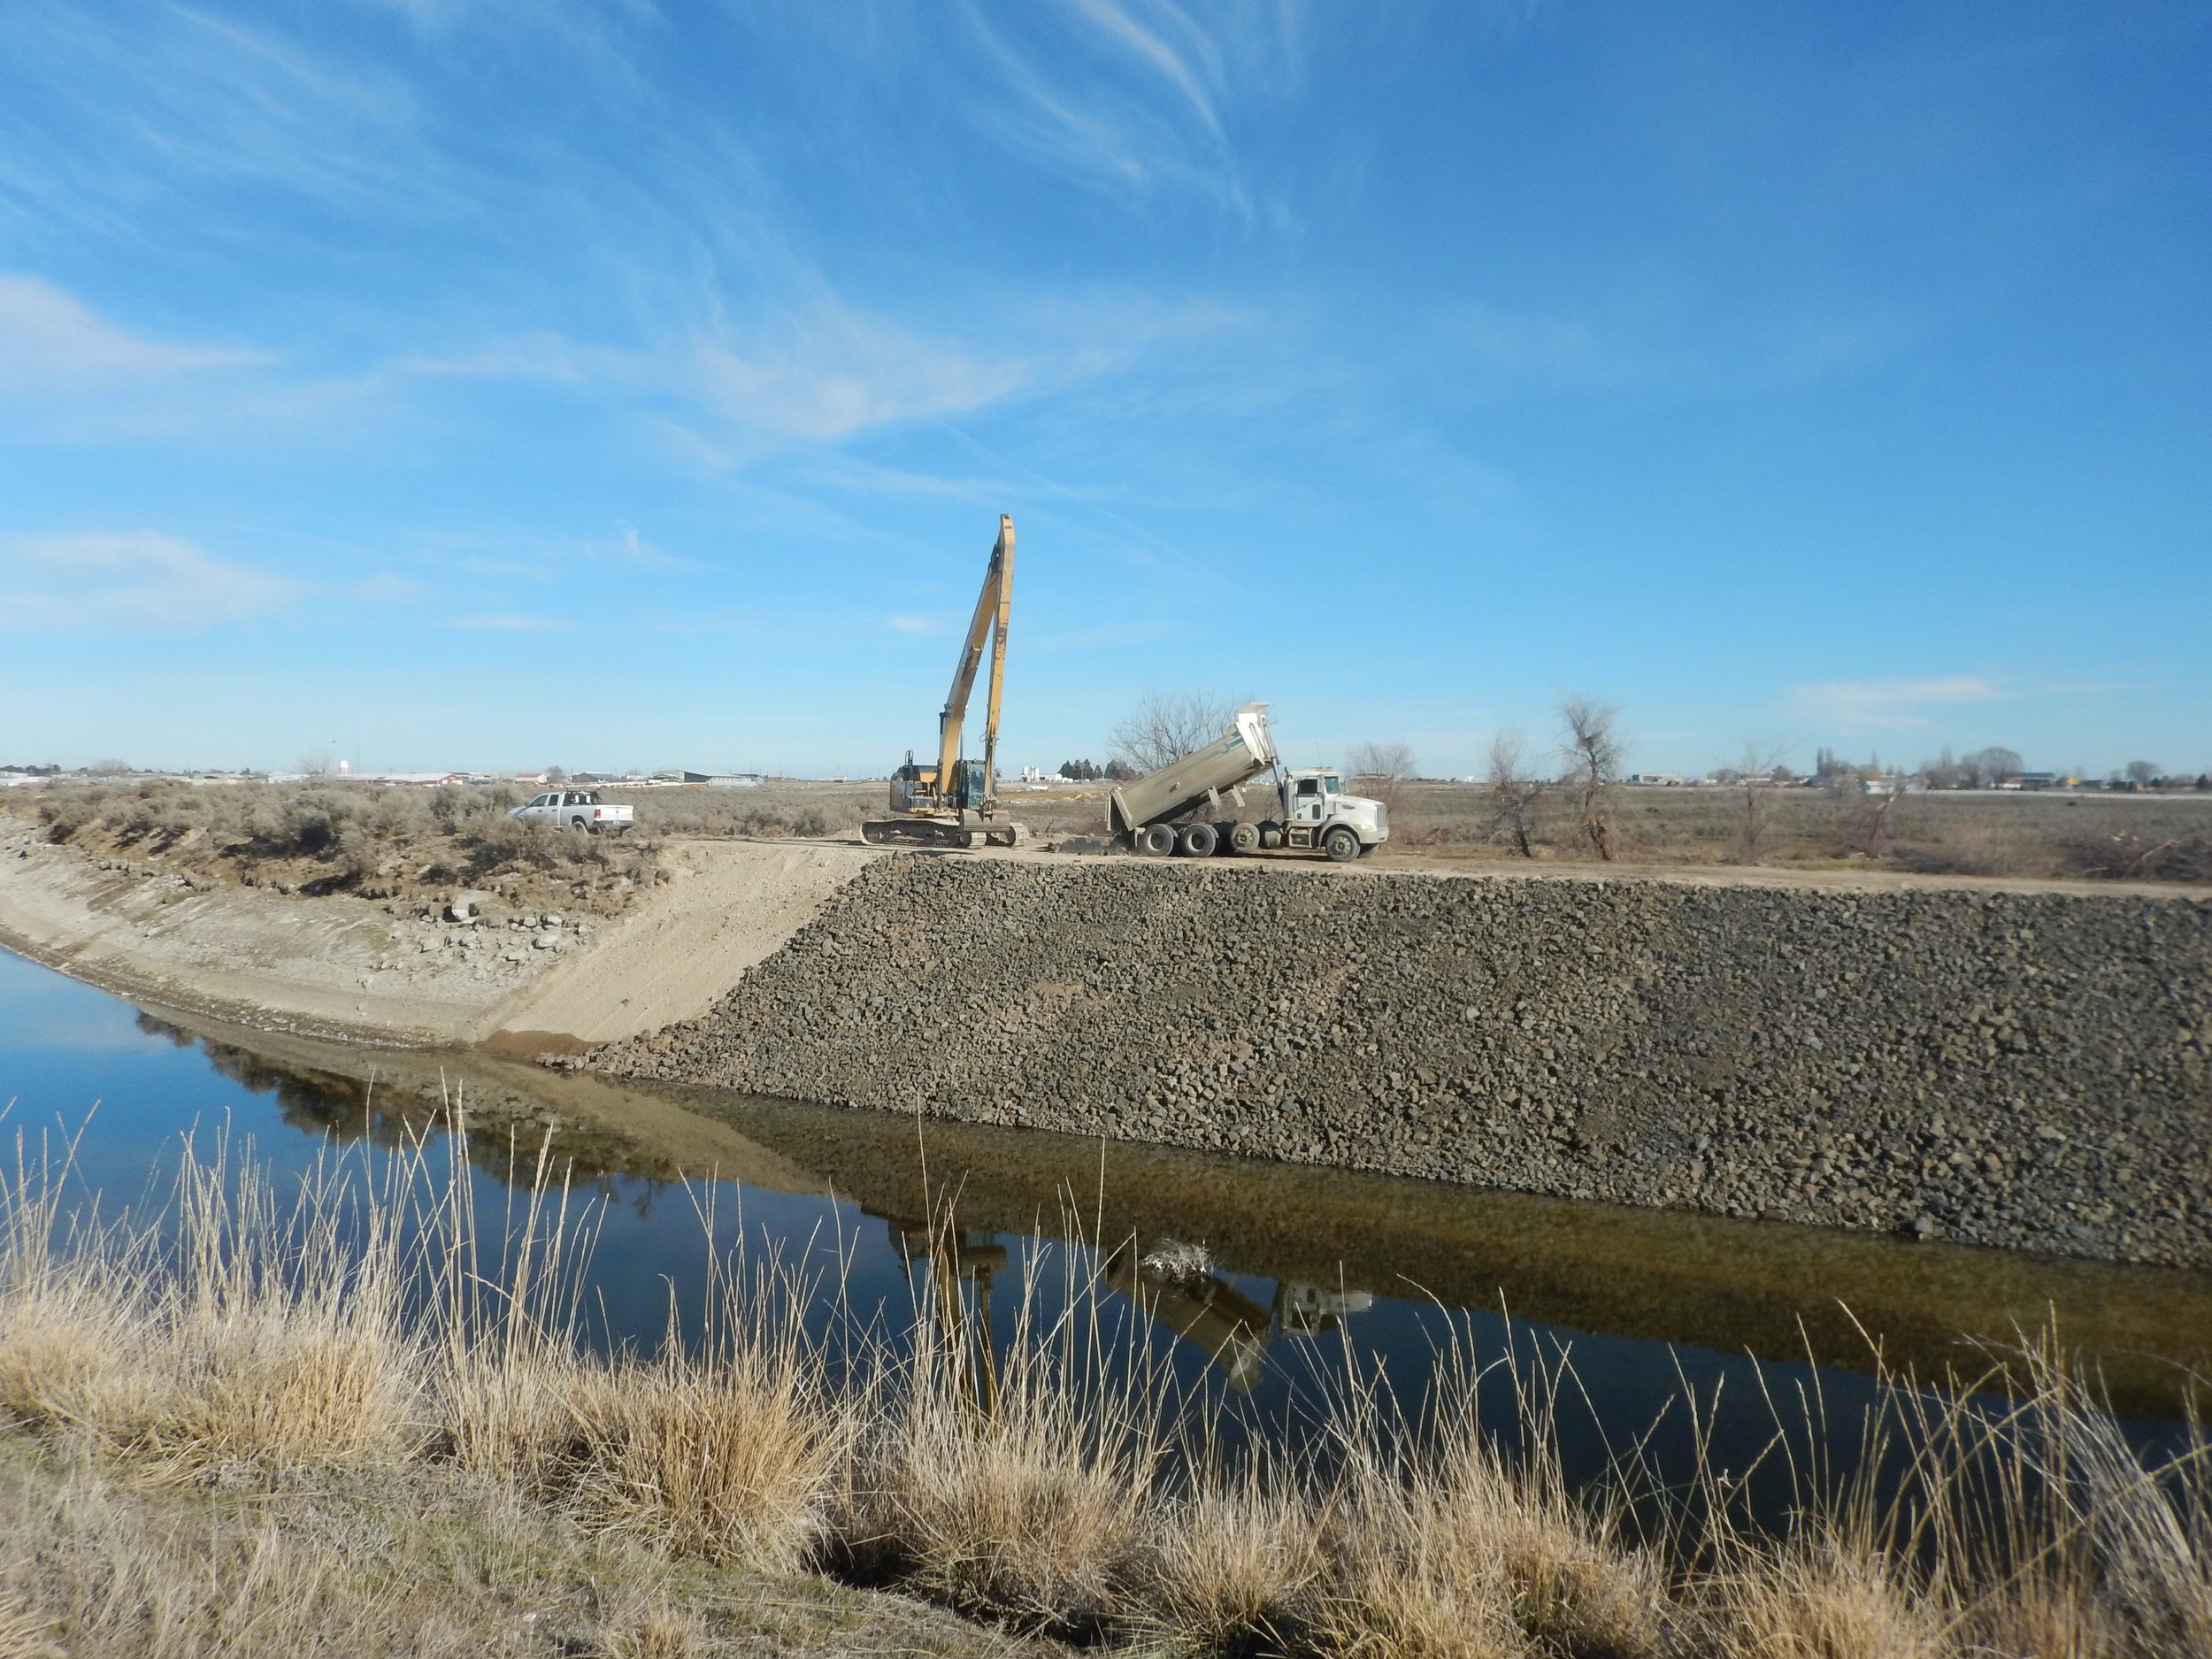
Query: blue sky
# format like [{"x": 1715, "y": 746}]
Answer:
[{"x": 478, "y": 382}]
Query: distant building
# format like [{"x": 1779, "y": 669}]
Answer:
[
  {"x": 1654, "y": 779},
  {"x": 724, "y": 779}
]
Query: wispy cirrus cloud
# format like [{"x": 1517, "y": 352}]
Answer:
[
  {"x": 537, "y": 356},
  {"x": 70, "y": 372},
  {"x": 51, "y": 339},
  {"x": 1889, "y": 705},
  {"x": 1133, "y": 95},
  {"x": 200, "y": 97},
  {"x": 137, "y": 581},
  {"x": 834, "y": 373}
]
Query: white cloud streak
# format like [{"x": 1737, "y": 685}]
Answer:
[
  {"x": 834, "y": 374},
  {"x": 51, "y": 339},
  {"x": 1889, "y": 705},
  {"x": 1153, "y": 110},
  {"x": 138, "y": 581}
]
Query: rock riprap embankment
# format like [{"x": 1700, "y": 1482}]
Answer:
[{"x": 2027, "y": 1069}]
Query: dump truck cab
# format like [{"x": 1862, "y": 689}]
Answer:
[{"x": 1315, "y": 804}]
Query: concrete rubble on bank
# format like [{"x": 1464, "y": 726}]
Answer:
[{"x": 2025, "y": 1070}]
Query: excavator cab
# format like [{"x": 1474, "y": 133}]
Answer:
[{"x": 970, "y": 782}]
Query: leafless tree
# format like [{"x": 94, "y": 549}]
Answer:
[
  {"x": 1942, "y": 772},
  {"x": 1757, "y": 791},
  {"x": 1864, "y": 821},
  {"x": 1514, "y": 793},
  {"x": 2143, "y": 773},
  {"x": 1168, "y": 726},
  {"x": 1380, "y": 768},
  {"x": 1592, "y": 749},
  {"x": 1986, "y": 768}
]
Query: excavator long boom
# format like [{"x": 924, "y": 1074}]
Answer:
[
  {"x": 992, "y": 607},
  {"x": 955, "y": 803}
]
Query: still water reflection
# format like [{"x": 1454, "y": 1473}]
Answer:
[{"x": 1266, "y": 1281}]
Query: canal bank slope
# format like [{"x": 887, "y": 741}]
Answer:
[
  {"x": 2016, "y": 1069},
  {"x": 363, "y": 971}
]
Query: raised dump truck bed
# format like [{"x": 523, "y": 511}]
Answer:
[
  {"x": 1242, "y": 754},
  {"x": 1199, "y": 804}
]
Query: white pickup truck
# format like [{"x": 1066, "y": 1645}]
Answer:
[{"x": 575, "y": 810}]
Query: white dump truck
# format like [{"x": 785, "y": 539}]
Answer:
[{"x": 1211, "y": 801}]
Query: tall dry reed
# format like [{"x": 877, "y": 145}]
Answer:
[
  {"x": 242, "y": 1331},
  {"x": 1048, "y": 1475}
]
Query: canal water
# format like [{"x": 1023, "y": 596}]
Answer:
[{"x": 1266, "y": 1289}]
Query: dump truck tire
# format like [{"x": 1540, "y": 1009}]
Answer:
[
  {"x": 1157, "y": 840},
  {"x": 1197, "y": 841},
  {"x": 1342, "y": 845},
  {"x": 1244, "y": 839}
]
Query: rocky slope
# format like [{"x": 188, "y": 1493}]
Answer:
[{"x": 2028, "y": 1070}]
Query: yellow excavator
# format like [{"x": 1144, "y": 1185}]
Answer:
[{"x": 955, "y": 804}]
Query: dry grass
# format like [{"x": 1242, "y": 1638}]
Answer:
[
  {"x": 376, "y": 1340},
  {"x": 253, "y": 1334},
  {"x": 1444, "y": 1542},
  {"x": 2152, "y": 839},
  {"x": 429, "y": 1562},
  {"x": 1012, "y": 1481},
  {"x": 1235, "y": 1561}
]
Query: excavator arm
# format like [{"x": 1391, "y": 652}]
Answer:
[
  {"x": 992, "y": 607},
  {"x": 931, "y": 808}
]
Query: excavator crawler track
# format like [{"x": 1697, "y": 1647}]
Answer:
[{"x": 921, "y": 832}]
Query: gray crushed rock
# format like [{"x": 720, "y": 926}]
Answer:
[{"x": 2031, "y": 1071}]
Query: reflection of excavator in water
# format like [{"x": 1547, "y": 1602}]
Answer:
[
  {"x": 1175, "y": 1285},
  {"x": 1201, "y": 1307},
  {"x": 955, "y": 804},
  {"x": 958, "y": 1257}
]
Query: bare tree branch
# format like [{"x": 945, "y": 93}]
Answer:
[
  {"x": 1167, "y": 725},
  {"x": 1514, "y": 793},
  {"x": 1986, "y": 768},
  {"x": 1593, "y": 751},
  {"x": 1755, "y": 783},
  {"x": 1379, "y": 769}
]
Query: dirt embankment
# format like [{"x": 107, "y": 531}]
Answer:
[
  {"x": 2027, "y": 1069},
  {"x": 385, "y": 972}
]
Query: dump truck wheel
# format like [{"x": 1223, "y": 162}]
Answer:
[
  {"x": 1342, "y": 845},
  {"x": 1157, "y": 840},
  {"x": 1198, "y": 841},
  {"x": 1244, "y": 838}
]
